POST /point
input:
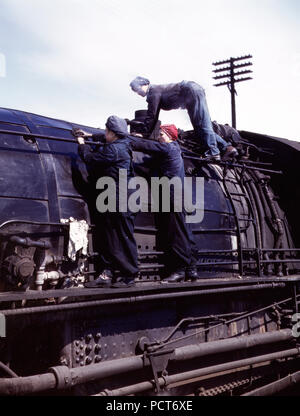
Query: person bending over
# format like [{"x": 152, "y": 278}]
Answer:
[{"x": 187, "y": 95}]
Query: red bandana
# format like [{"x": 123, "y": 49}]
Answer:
[{"x": 170, "y": 130}]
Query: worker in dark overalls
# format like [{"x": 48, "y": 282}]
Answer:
[
  {"x": 187, "y": 95},
  {"x": 180, "y": 249},
  {"x": 116, "y": 227}
]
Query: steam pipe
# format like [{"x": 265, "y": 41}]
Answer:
[
  {"x": 277, "y": 226},
  {"x": 273, "y": 209},
  {"x": 260, "y": 212},
  {"x": 7, "y": 370},
  {"x": 62, "y": 377},
  {"x": 276, "y": 386},
  {"x": 198, "y": 350},
  {"x": 189, "y": 375},
  {"x": 27, "y": 242},
  {"x": 135, "y": 299},
  {"x": 27, "y": 385},
  {"x": 257, "y": 229}
]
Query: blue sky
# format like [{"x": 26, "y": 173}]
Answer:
[{"x": 74, "y": 59}]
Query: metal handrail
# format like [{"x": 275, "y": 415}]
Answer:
[
  {"x": 238, "y": 229},
  {"x": 60, "y": 139},
  {"x": 232, "y": 164},
  {"x": 46, "y": 137},
  {"x": 58, "y": 224},
  {"x": 255, "y": 225}
]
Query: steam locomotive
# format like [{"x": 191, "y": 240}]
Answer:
[{"x": 215, "y": 336}]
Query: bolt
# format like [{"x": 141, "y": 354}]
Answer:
[
  {"x": 81, "y": 346},
  {"x": 97, "y": 348},
  {"x": 97, "y": 359},
  {"x": 81, "y": 355},
  {"x": 88, "y": 360},
  {"x": 105, "y": 345},
  {"x": 76, "y": 343},
  {"x": 77, "y": 360},
  {"x": 88, "y": 337},
  {"x": 114, "y": 355},
  {"x": 77, "y": 352},
  {"x": 114, "y": 344},
  {"x": 81, "y": 364},
  {"x": 88, "y": 349},
  {"x": 98, "y": 335}
]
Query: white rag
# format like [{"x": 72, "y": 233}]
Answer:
[{"x": 78, "y": 237}]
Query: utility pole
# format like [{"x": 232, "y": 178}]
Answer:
[{"x": 229, "y": 73}]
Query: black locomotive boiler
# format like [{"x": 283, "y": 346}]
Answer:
[{"x": 216, "y": 336}]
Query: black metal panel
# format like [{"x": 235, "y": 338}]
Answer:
[
  {"x": 49, "y": 170},
  {"x": 16, "y": 208},
  {"x": 21, "y": 170},
  {"x": 10, "y": 116},
  {"x": 73, "y": 207},
  {"x": 70, "y": 171}
]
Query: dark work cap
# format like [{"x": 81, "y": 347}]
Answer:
[
  {"x": 117, "y": 125},
  {"x": 138, "y": 82}
]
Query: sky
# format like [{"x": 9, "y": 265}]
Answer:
[{"x": 74, "y": 59}]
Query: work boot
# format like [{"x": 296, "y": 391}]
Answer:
[
  {"x": 230, "y": 153},
  {"x": 124, "y": 283},
  {"x": 175, "y": 277},
  {"x": 103, "y": 280},
  {"x": 191, "y": 273}
]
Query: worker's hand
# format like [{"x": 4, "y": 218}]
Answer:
[
  {"x": 80, "y": 140},
  {"x": 80, "y": 133}
]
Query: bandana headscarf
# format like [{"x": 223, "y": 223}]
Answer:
[{"x": 170, "y": 130}]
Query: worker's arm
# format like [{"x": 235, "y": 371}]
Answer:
[
  {"x": 105, "y": 155},
  {"x": 153, "y": 100},
  {"x": 148, "y": 146},
  {"x": 79, "y": 133}
]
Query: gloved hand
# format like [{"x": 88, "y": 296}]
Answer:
[{"x": 78, "y": 133}]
